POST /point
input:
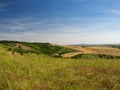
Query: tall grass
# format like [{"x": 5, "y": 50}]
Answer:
[{"x": 40, "y": 72}]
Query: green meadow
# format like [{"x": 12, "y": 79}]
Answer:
[
  {"x": 40, "y": 72},
  {"x": 31, "y": 71}
]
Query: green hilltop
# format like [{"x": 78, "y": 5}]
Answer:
[{"x": 37, "y": 48}]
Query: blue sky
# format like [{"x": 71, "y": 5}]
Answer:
[{"x": 60, "y": 21}]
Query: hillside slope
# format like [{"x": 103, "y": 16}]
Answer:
[
  {"x": 69, "y": 51},
  {"x": 37, "y": 48},
  {"x": 92, "y": 50}
]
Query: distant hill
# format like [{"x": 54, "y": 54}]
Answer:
[
  {"x": 68, "y": 51},
  {"x": 38, "y": 48},
  {"x": 110, "y": 50},
  {"x": 101, "y": 45}
]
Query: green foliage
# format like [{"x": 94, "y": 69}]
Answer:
[
  {"x": 48, "y": 49},
  {"x": 90, "y": 56},
  {"x": 37, "y": 48}
]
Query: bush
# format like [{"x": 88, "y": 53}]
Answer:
[{"x": 104, "y": 56}]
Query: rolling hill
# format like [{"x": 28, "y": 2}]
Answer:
[
  {"x": 66, "y": 51},
  {"x": 37, "y": 48},
  {"x": 103, "y": 50},
  {"x": 33, "y": 66}
]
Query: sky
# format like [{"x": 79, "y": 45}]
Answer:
[{"x": 61, "y": 21}]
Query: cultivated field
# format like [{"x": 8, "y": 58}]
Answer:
[{"x": 92, "y": 50}]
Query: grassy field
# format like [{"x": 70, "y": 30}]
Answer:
[
  {"x": 41, "y": 72},
  {"x": 32, "y": 71}
]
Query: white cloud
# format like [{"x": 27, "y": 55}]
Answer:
[
  {"x": 19, "y": 24},
  {"x": 106, "y": 11},
  {"x": 112, "y": 11},
  {"x": 66, "y": 38},
  {"x": 91, "y": 32}
]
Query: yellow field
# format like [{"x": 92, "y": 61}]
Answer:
[{"x": 92, "y": 50}]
